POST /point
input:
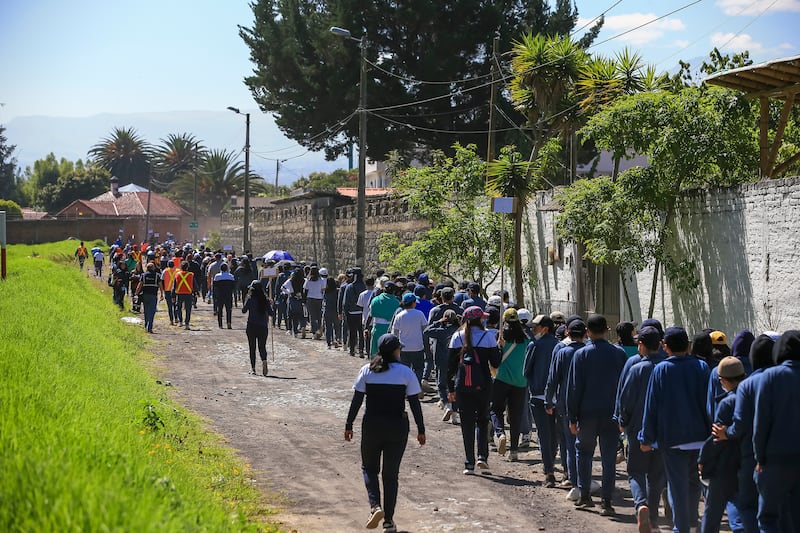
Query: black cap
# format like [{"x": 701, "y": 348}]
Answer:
[
  {"x": 570, "y": 318},
  {"x": 597, "y": 323},
  {"x": 649, "y": 335},
  {"x": 577, "y": 327},
  {"x": 388, "y": 343},
  {"x": 676, "y": 339}
]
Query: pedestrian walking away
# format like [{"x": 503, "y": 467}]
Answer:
[
  {"x": 387, "y": 385},
  {"x": 147, "y": 289},
  {"x": 259, "y": 309},
  {"x": 472, "y": 350}
]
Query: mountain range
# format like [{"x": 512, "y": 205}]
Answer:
[{"x": 72, "y": 137}]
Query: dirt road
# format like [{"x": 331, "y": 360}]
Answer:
[{"x": 290, "y": 428}]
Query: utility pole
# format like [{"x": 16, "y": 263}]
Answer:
[
  {"x": 246, "y": 232},
  {"x": 361, "y": 203},
  {"x": 194, "y": 215}
]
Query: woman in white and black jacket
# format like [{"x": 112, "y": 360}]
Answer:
[
  {"x": 472, "y": 395},
  {"x": 387, "y": 384}
]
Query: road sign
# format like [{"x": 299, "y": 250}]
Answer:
[{"x": 193, "y": 224}]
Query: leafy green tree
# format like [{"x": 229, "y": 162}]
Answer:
[
  {"x": 9, "y": 182},
  {"x": 463, "y": 240},
  {"x": 693, "y": 139},
  {"x": 176, "y": 155},
  {"x": 80, "y": 183},
  {"x": 126, "y": 155},
  {"x": 324, "y": 181},
  {"x": 308, "y": 77},
  {"x": 12, "y": 209},
  {"x": 219, "y": 177},
  {"x": 45, "y": 172}
]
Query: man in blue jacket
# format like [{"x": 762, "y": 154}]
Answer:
[
  {"x": 556, "y": 400},
  {"x": 776, "y": 433},
  {"x": 537, "y": 366},
  {"x": 591, "y": 395},
  {"x": 676, "y": 422},
  {"x": 645, "y": 470}
]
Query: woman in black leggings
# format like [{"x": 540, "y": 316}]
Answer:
[
  {"x": 386, "y": 383},
  {"x": 257, "y": 329}
]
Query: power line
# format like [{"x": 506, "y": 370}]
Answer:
[
  {"x": 615, "y": 4},
  {"x": 425, "y": 82}
]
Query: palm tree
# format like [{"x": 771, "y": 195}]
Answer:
[
  {"x": 219, "y": 177},
  {"x": 177, "y": 154},
  {"x": 125, "y": 154},
  {"x": 545, "y": 71}
]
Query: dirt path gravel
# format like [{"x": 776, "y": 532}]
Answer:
[{"x": 290, "y": 428}]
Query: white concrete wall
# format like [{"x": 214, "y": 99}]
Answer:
[{"x": 745, "y": 241}]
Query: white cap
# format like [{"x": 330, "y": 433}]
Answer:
[
  {"x": 524, "y": 315},
  {"x": 495, "y": 300},
  {"x": 323, "y": 271}
]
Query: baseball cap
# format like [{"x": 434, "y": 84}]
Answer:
[
  {"x": 495, "y": 300},
  {"x": 388, "y": 343},
  {"x": 448, "y": 292},
  {"x": 420, "y": 291},
  {"x": 510, "y": 315},
  {"x": 408, "y": 298},
  {"x": 524, "y": 315},
  {"x": 474, "y": 312},
  {"x": 389, "y": 286},
  {"x": 323, "y": 271},
  {"x": 474, "y": 287},
  {"x": 730, "y": 367},
  {"x": 676, "y": 336},
  {"x": 597, "y": 323},
  {"x": 649, "y": 335},
  {"x": 557, "y": 316},
  {"x": 577, "y": 327},
  {"x": 653, "y": 323},
  {"x": 570, "y": 318},
  {"x": 718, "y": 338},
  {"x": 543, "y": 320}
]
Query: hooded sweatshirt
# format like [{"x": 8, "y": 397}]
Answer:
[
  {"x": 776, "y": 427},
  {"x": 739, "y": 349}
]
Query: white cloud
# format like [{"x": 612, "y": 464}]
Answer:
[
  {"x": 681, "y": 43},
  {"x": 651, "y": 32},
  {"x": 736, "y": 43},
  {"x": 747, "y": 8},
  {"x": 786, "y": 46}
]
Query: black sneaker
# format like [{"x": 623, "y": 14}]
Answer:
[
  {"x": 550, "y": 482},
  {"x": 584, "y": 502},
  {"x": 606, "y": 509},
  {"x": 389, "y": 527}
]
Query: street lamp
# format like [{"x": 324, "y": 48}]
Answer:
[
  {"x": 246, "y": 229},
  {"x": 361, "y": 201}
]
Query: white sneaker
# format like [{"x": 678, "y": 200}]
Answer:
[
  {"x": 375, "y": 517},
  {"x": 455, "y": 420},
  {"x": 525, "y": 441},
  {"x": 500, "y": 442},
  {"x": 574, "y": 494},
  {"x": 448, "y": 414},
  {"x": 468, "y": 471},
  {"x": 483, "y": 466}
]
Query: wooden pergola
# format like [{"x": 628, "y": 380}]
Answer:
[{"x": 780, "y": 79}]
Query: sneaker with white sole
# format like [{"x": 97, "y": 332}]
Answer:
[
  {"x": 483, "y": 466},
  {"x": 455, "y": 420},
  {"x": 574, "y": 494},
  {"x": 468, "y": 471},
  {"x": 500, "y": 442},
  {"x": 389, "y": 527},
  {"x": 440, "y": 404},
  {"x": 375, "y": 517},
  {"x": 525, "y": 441},
  {"x": 448, "y": 413}
]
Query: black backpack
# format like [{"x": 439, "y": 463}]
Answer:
[{"x": 471, "y": 376}]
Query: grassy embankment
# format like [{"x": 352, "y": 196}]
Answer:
[{"x": 88, "y": 440}]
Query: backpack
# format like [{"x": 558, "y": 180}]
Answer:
[{"x": 471, "y": 376}]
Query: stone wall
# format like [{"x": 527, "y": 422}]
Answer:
[
  {"x": 323, "y": 228},
  {"x": 745, "y": 241}
]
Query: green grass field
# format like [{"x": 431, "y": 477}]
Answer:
[{"x": 88, "y": 440}]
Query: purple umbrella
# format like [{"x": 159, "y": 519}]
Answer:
[{"x": 278, "y": 255}]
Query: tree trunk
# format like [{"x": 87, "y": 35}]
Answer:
[
  {"x": 519, "y": 293},
  {"x": 615, "y": 172},
  {"x": 625, "y": 291},
  {"x": 661, "y": 235}
]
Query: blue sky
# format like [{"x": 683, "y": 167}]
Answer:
[{"x": 86, "y": 57}]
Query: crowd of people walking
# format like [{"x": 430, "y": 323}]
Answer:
[{"x": 694, "y": 417}]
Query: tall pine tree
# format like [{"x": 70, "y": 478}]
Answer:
[{"x": 437, "y": 54}]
